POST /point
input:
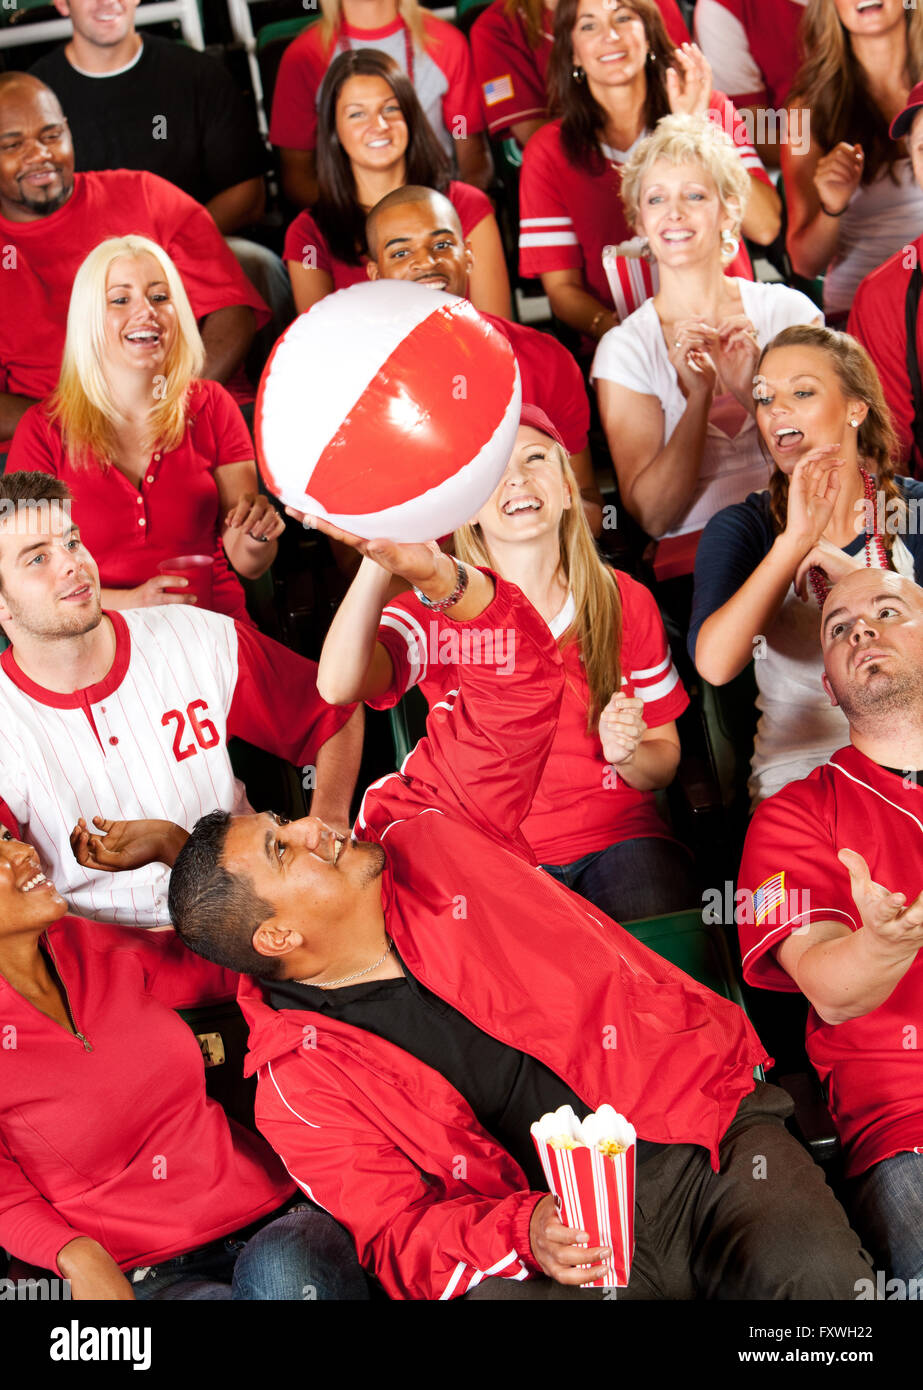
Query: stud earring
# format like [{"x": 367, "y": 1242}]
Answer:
[{"x": 855, "y": 424}]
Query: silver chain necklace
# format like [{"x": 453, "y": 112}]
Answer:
[{"x": 331, "y": 984}]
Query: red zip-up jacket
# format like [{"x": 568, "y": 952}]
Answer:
[
  {"x": 110, "y": 1134},
  {"x": 383, "y": 1141}
]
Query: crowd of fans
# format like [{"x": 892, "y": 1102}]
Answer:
[{"x": 715, "y": 471}]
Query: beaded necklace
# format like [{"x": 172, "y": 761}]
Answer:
[{"x": 818, "y": 578}]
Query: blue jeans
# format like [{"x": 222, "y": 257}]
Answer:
[
  {"x": 633, "y": 878},
  {"x": 301, "y": 1255},
  {"x": 886, "y": 1207}
]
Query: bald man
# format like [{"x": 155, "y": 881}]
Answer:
[
  {"x": 415, "y": 234},
  {"x": 834, "y": 865},
  {"x": 51, "y": 218}
]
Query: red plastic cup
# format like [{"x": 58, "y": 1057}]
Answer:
[{"x": 197, "y": 569}]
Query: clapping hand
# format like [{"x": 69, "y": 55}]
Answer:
[
  {"x": 691, "y": 355},
  {"x": 735, "y": 351},
  {"x": 621, "y": 728},
  {"x": 838, "y": 175}
]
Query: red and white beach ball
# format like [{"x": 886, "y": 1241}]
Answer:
[{"x": 388, "y": 409}]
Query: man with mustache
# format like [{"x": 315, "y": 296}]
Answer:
[{"x": 848, "y": 840}]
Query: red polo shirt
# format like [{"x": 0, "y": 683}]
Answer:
[
  {"x": 129, "y": 530},
  {"x": 511, "y": 73}
]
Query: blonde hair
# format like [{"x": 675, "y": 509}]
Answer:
[
  {"x": 409, "y": 11},
  {"x": 82, "y": 404},
  {"x": 597, "y": 625},
  {"x": 876, "y": 440},
  {"x": 689, "y": 140}
]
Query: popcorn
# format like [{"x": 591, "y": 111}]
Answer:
[{"x": 590, "y": 1168}]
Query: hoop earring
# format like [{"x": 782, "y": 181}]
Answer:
[
  {"x": 729, "y": 244},
  {"x": 578, "y": 74},
  {"x": 645, "y": 251}
]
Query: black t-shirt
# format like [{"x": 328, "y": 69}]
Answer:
[
  {"x": 507, "y": 1089},
  {"x": 175, "y": 112}
]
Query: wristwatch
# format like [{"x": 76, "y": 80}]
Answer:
[{"x": 439, "y": 605}]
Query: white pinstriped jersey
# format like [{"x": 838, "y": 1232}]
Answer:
[{"x": 148, "y": 741}]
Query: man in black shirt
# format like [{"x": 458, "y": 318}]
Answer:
[{"x": 141, "y": 102}]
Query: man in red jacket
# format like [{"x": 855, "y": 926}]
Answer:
[{"x": 427, "y": 991}]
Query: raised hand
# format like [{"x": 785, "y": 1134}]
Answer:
[
  {"x": 689, "y": 81},
  {"x": 417, "y": 562},
  {"x": 838, "y": 175},
  {"x": 812, "y": 492},
  {"x": 887, "y": 916}
]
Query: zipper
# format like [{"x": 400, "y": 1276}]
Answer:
[{"x": 87, "y": 1045}]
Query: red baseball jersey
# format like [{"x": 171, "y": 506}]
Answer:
[
  {"x": 512, "y": 74},
  {"x": 442, "y": 77},
  {"x": 569, "y": 213},
  {"x": 581, "y": 804},
  {"x": 149, "y": 741},
  {"x": 877, "y": 320},
  {"x": 871, "y": 1065},
  {"x": 48, "y": 252},
  {"x": 752, "y": 46}
]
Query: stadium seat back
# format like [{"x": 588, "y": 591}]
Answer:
[{"x": 222, "y": 1034}]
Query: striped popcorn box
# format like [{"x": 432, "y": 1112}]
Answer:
[
  {"x": 632, "y": 279},
  {"x": 590, "y": 1168}
]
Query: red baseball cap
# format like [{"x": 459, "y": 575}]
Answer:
[
  {"x": 904, "y": 119},
  {"x": 535, "y": 417}
]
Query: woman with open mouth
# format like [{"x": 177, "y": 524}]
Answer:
[
  {"x": 158, "y": 460},
  {"x": 852, "y": 198},
  {"x": 594, "y": 822},
  {"x": 373, "y": 137},
  {"x": 117, "y": 1172},
  {"x": 765, "y": 565}
]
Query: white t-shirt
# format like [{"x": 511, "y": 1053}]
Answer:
[{"x": 634, "y": 355}]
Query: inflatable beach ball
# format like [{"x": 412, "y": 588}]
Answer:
[{"x": 388, "y": 409}]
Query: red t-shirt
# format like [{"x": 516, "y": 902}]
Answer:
[
  {"x": 790, "y": 866},
  {"x": 752, "y": 46},
  {"x": 115, "y": 1139},
  {"x": 580, "y": 806},
  {"x": 50, "y": 250},
  {"x": 129, "y": 530},
  {"x": 877, "y": 320},
  {"x": 568, "y": 214},
  {"x": 511, "y": 73},
  {"x": 304, "y": 239},
  {"x": 442, "y": 77}
]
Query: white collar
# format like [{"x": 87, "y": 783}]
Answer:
[
  {"x": 562, "y": 620},
  {"x": 118, "y": 72}
]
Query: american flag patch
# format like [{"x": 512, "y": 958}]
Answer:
[
  {"x": 498, "y": 89},
  {"x": 769, "y": 895}
]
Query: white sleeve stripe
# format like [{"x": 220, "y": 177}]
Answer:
[
  {"x": 657, "y": 692},
  {"x": 546, "y": 222},
  {"x": 415, "y": 638},
  {"x": 534, "y": 239},
  {"x": 648, "y": 671},
  {"x": 453, "y": 1281},
  {"x": 815, "y": 914}
]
